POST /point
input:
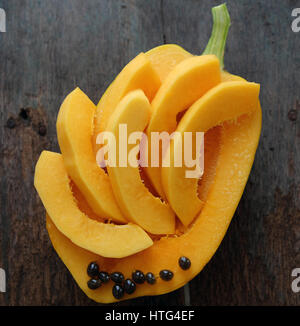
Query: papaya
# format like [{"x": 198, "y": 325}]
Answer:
[
  {"x": 224, "y": 102},
  {"x": 188, "y": 81},
  {"x": 137, "y": 74},
  {"x": 239, "y": 141},
  {"x": 226, "y": 109},
  {"x": 165, "y": 58},
  {"x": 138, "y": 204},
  {"x": 53, "y": 186},
  {"x": 75, "y": 124}
]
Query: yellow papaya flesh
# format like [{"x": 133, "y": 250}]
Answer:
[
  {"x": 74, "y": 125},
  {"x": 220, "y": 189},
  {"x": 239, "y": 141},
  {"x": 137, "y": 203},
  {"x": 188, "y": 81},
  {"x": 224, "y": 102},
  {"x": 53, "y": 186},
  {"x": 165, "y": 58},
  {"x": 137, "y": 74}
]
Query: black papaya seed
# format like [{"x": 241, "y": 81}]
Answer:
[
  {"x": 138, "y": 277},
  {"x": 117, "y": 277},
  {"x": 150, "y": 278},
  {"x": 118, "y": 291},
  {"x": 184, "y": 263},
  {"x": 93, "y": 269},
  {"x": 129, "y": 286},
  {"x": 104, "y": 277},
  {"x": 94, "y": 283},
  {"x": 166, "y": 275}
]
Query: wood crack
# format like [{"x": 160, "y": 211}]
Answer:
[{"x": 163, "y": 21}]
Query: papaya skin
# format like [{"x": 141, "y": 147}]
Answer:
[
  {"x": 135, "y": 200},
  {"x": 53, "y": 186},
  {"x": 224, "y": 102},
  {"x": 239, "y": 141},
  {"x": 74, "y": 132},
  {"x": 188, "y": 81}
]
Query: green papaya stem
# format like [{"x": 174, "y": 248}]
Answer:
[{"x": 217, "y": 42}]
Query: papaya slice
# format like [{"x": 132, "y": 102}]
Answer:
[
  {"x": 108, "y": 240},
  {"x": 145, "y": 71},
  {"x": 188, "y": 81},
  {"x": 134, "y": 198},
  {"x": 74, "y": 132},
  {"x": 137, "y": 74},
  {"x": 224, "y": 102},
  {"x": 239, "y": 140},
  {"x": 166, "y": 57}
]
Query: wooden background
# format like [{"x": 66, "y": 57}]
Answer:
[{"x": 52, "y": 46}]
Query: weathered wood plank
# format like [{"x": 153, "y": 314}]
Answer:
[{"x": 52, "y": 46}]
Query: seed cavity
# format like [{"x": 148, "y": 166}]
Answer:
[{"x": 122, "y": 285}]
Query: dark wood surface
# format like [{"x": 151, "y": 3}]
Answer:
[{"x": 52, "y": 46}]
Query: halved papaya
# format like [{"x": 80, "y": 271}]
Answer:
[
  {"x": 224, "y": 102},
  {"x": 239, "y": 140},
  {"x": 137, "y": 203},
  {"x": 108, "y": 240},
  {"x": 74, "y": 126},
  {"x": 221, "y": 188}
]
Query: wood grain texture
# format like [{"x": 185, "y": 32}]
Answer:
[{"x": 52, "y": 46}]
